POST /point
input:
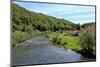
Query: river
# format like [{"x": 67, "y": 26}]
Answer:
[{"x": 43, "y": 52}]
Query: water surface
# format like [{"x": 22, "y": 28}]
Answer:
[{"x": 39, "y": 51}]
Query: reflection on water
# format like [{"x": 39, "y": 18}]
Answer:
[{"x": 39, "y": 51}]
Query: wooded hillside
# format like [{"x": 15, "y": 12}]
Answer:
[{"x": 26, "y": 23}]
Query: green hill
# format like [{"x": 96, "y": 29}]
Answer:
[
  {"x": 90, "y": 24},
  {"x": 26, "y": 24}
]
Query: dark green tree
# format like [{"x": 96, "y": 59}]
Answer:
[{"x": 78, "y": 26}]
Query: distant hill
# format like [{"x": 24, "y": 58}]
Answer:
[
  {"x": 21, "y": 18},
  {"x": 93, "y": 24}
]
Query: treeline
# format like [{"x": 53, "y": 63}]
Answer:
[
  {"x": 26, "y": 24},
  {"x": 91, "y": 24}
]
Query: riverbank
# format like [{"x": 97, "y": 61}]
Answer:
[
  {"x": 71, "y": 42},
  {"x": 42, "y": 51}
]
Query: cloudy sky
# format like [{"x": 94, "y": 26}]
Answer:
[{"x": 75, "y": 13}]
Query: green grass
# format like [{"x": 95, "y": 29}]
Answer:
[
  {"x": 69, "y": 42},
  {"x": 72, "y": 42}
]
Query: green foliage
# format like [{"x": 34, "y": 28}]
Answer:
[
  {"x": 65, "y": 34},
  {"x": 19, "y": 36},
  {"x": 29, "y": 29},
  {"x": 53, "y": 37},
  {"x": 85, "y": 25},
  {"x": 87, "y": 39},
  {"x": 72, "y": 43},
  {"x": 69, "y": 42},
  {"x": 26, "y": 24},
  {"x": 22, "y": 17}
]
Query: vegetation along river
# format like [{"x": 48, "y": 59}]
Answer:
[{"x": 39, "y": 50}]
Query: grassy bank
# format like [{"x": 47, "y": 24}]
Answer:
[{"x": 71, "y": 42}]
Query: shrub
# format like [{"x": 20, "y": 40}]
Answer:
[
  {"x": 63, "y": 40},
  {"x": 29, "y": 29},
  {"x": 87, "y": 39},
  {"x": 52, "y": 38},
  {"x": 19, "y": 36},
  {"x": 65, "y": 34},
  {"x": 58, "y": 39}
]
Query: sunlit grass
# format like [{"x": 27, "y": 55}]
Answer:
[
  {"x": 72, "y": 42},
  {"x": 69, "y": 42}
]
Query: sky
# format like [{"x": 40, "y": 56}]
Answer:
[{"x": 74, "y": 13}]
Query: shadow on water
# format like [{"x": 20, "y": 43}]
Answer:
[{"x": 88, "y": 54}]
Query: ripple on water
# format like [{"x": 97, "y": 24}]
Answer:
[{"x": 44, "y": 52}]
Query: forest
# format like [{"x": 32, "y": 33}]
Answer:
[{"x": 27, "y": 24}]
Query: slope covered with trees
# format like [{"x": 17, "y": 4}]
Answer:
[{"x": 26, "y": 24}]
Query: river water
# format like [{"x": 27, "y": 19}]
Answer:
[{"x": 43, "y": 52}]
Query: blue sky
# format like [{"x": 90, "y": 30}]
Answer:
[{"x": 74, "y": 13}]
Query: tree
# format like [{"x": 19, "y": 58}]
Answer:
[{"x": 78, "y": 26}]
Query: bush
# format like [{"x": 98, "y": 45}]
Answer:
[
  {"x": 52, "y": 37},
  {"x": 87, "y": 39},
  {"x": 29, "y": 29},
  {"x": 58, "y": 39},
  {"x": 65, "y": 34},
  {"x": 19, "y": 36},
  {"x": 63, "y": 40}
]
